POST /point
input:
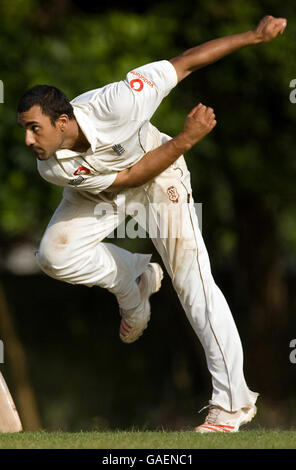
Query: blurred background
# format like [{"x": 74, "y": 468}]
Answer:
[{"x": 63, "y": 360}]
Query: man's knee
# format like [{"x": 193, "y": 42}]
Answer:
[{"x": 52, "y": 258}]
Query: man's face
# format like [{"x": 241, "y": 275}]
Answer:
[{"x": 41, "y": 135}]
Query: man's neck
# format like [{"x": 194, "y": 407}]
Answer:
[{"x": 75, "y": 139}]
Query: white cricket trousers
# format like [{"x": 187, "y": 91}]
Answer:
[{"x": 72, "y": 250}]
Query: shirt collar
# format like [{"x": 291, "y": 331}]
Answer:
[{"x": 88, "y": 130}]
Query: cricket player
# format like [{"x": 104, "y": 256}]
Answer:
[{"x": 102, "y": 148}]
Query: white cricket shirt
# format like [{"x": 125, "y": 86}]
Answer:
[{"x": 115, "y": 120}]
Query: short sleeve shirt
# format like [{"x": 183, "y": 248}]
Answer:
[{"x": 115, "y": 120}]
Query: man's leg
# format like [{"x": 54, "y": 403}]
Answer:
[
  {"x": 71, "y": 249},
  {"x": 170, "y": 203}
]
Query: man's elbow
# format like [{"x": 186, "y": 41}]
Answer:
[{"x": 181, "y": 67}]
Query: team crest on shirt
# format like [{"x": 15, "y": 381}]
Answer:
[
  {"x": 118, "y": 149},
  {"x": 81, "y": 171},
  {"x": 173, "y": 194}
]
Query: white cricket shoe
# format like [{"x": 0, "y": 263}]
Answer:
[
  {"x": 220, "y": 420},
  {"x": 134, "y": 321}
]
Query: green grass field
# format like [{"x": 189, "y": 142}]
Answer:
[{"x": 149, "y": 440}]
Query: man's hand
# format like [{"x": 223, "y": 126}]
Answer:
[
  {"x": 199, "y": 122},
  {"x": 269, "y": 27},
  {"x": 211, "y": 51}
]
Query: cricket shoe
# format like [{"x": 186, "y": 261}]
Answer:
[
  {"x": 135, "y": 320},
  {"x": 220, "y": 420}
]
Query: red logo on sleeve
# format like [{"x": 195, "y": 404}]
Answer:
[
  {"x": 137, "y": 84},
  {"x": 81, "y": 171}
]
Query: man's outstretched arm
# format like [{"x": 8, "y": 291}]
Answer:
[
  {"x": 209, "y": 52},
  {"x": 199, "y": 122}
]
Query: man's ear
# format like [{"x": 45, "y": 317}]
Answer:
[{"x": 62, "y": 122}]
